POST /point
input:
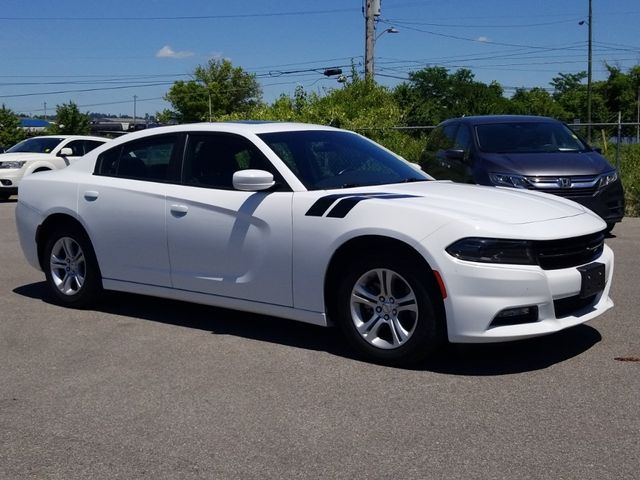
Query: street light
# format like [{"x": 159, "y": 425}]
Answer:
[{"x": 386, "y": 30}]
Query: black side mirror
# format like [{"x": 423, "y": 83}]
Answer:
[{"x": 454, "y": 154}]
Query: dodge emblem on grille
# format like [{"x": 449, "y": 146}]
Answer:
[{"x": 564, "y": 182}]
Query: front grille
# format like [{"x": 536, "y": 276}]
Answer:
[
  {"x": 569, "y": 192},
  {"x": 568, "y": 252},
  {"x": 570, "y": 305},
  {"x": 577, "y": 186}
]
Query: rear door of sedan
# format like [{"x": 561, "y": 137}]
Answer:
[
  {"x": 123, "y": 207},
  {"x": 224, "y": 241}
]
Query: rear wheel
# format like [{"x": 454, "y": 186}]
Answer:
[
  {"x": 70, "y": 267},
  {"x": 610, "y": 227},
  {"x": 387, "y": 311}
]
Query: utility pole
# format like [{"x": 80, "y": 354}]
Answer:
[
  {"x": 371, "y": 11},
  {"x": 45, "y": 110},
  {"x": 590, "y": 25},
  {"x": 135, "y": 98}
]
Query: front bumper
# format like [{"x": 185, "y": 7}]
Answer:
[
  {"x": 9, "y": 179},
  {"x": 608, "y": 202},
  {"x": 477, "y": 293}
]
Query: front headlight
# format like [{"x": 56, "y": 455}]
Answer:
[
  {"x": 12, "y": 164},
  {"x": 508, "y": 180},
  {"x": 608, "y": 178},
  {"x": 493, "y": 250}
]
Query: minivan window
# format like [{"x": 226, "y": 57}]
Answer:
[{"x": 528, "y": 137}]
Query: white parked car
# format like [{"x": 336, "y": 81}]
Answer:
[
  {"x": 39, "y": 154},
  {"x": 319, "y": 225}
]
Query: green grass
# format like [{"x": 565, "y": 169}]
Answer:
[{"x": 630, "y": 174}]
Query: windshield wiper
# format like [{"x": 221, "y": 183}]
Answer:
[{"x": 413, "y": 179}]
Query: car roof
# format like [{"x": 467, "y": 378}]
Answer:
[
  {"x": 264, "y": 126},
  {"x": 245, "y": 127},
  {"x": 75, "y": 137},
  {"x": 489, "y": 119}
]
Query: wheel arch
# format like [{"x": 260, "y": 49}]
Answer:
[
  {"x": 39, "y": 166},
  {"x": 54, "y": 222},
  {"x": 367, "y": 244}
]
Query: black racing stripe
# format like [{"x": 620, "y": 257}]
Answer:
[
  {"x": 321, "y": 205},
  {"x": 344, "y": 206}
]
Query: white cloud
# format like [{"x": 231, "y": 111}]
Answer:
[
  {"x": 482, "y": 39},
  {"x": 168, "y": 52}
]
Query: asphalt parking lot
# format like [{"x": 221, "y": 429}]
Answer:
[{"x": 147, "y": 388}]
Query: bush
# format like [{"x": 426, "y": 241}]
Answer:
[{"x": 630, "y": 174}]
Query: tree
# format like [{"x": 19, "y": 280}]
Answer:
[
  {"x": 567, "y": 82},
  {"x": 217, "y": 89},
  {"x": 620, "y": 92},
  {"x": 10, "y": 131},
  {"x": 165, "y": 117},
  {"x": 69, "y": 121},
  {"x": 536, "y": 101},
  {"x": 433, "y": 95}
]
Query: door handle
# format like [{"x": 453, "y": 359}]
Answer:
[
  {"x": 179, "y": 210},
  {"x": 91, "y": 195}
]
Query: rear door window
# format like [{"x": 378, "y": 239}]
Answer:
[{"x": 154, "y": 159}]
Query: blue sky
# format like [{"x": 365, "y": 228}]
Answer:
[{"x": 115, "y": 49}]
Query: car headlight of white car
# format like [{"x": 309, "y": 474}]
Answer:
[
  {"x": 12, "y": 164},
  {"x": 493, "y": 250}
]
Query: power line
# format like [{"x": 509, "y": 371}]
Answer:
[
  {"x": 462, "y": 25},
  {"x": 187, "y": 17},
  {"x": 120, "y": 87}
]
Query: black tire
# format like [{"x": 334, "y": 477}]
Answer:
[
  {"x": 4, "y": 197},
  {"x": 71, "y": 269},
  {"x": 610, "y": 227},
  {"x": 383, "y": 324}
]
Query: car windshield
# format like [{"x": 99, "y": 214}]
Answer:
[
  {"x": 332, "y": 159},
  {"x": 36, "y": 145},
  {"x": 528, "y": 137}
]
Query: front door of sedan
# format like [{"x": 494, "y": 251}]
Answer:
[{"x": 223, "y": 241}]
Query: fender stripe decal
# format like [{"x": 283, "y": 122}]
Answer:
[
  {"x": 344, "y": 206},
  {"x": 346, "y": 202},
  {"x": 321, "y": 205}
]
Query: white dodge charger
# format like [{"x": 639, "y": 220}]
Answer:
[{"x": 319, "y": 225}]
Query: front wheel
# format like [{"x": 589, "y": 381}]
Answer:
[
  {"x": 387, "y": 311},
  {"x": 71, "y": 269}
]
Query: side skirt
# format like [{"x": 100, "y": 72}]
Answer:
[{"x": 315, "y": 318}]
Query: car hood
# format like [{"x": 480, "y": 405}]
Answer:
[
  {"x": 464, "y": 201},
  {"x": 547, "y": 164},
  {"x": 19, "y": 156}
]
